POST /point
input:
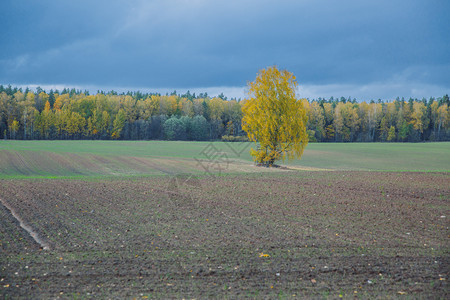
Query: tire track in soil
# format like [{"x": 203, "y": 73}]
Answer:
[{"x": 25, "y": 226}]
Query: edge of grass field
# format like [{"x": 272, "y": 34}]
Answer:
[{"x": 201, "y": 174}]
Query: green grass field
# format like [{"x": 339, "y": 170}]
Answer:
[{"x": 118, "y": 158}]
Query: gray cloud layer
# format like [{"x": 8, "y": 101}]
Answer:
[{"x": 347, "y": 44}]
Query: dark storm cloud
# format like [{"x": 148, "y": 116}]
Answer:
[{"x": 201, "y": 43}]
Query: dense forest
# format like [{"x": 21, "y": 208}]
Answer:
[{"x": 73, "y": 114}]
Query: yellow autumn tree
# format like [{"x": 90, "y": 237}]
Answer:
[
  {"x": 274, "y": 117},
  {"x": 13, "y": 128}
]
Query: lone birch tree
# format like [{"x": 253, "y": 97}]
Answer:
[{"x": 274, "y": 117}]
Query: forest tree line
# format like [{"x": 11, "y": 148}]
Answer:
[{"x": 73, "y": 114}]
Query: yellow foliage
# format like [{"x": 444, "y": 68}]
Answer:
[
  {"x": 14, "y": 127},
  {"x": 58, "y": 103},
  {"x": 274, "y": 117},
  {"x": 47, "y": 106},
  {"x": 419, "y": 116},
  {"x": 217, "y": 107},
  {"x": 443, "y": 115}
]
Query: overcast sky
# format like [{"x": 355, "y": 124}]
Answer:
[{"x": 360, "y": 48}]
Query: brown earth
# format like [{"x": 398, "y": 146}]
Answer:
[{"x": 308, "y": 234}]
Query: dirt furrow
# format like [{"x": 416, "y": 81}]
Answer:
[{"x": 25, "y": 226}]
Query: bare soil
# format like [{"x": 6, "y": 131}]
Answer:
[{"x": 278, "y": 234}]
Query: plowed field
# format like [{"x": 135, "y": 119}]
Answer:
[{"x": 276, "y": 234}]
